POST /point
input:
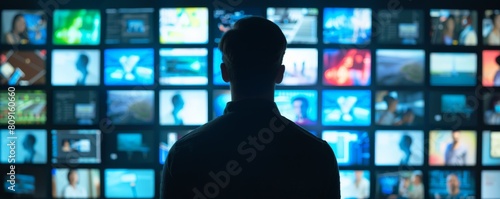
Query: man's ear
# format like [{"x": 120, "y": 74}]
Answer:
[
  {"x": 279, "y": 75},
  {"x": 225, "y": 73}
]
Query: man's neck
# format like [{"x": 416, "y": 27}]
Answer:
[{"x": 263, "y": 95}]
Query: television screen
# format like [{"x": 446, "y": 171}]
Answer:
[
  {"x": 183, "y": 66},
  {"x": 300, "y": 106},
  {"x": 491, "y": 108},
  {"x": 127, "y": 107},
  {"x": 76, "y": 67},
  {"x": 399, "y": 108},
  {"x": 355, "y": 184},
  {"x": 452, "y": 148},
  {"x": 299, "y": 25},
  {"x": 490, "y": 181},
  {"x": 491, "y": 148},
  {"x": 221, "y": 98},
  {"x": 453, "y": 110},
  {"x": 350, "y": 147},
  {"x": 400, "y": 67},
  {"x": 217, "y": 76},
  {"x": 454, "y": 27},
  {"x": 225, "y": 19},
  {"x": 346, "y": 107},
  {"x": 491, "y": 24},
  {"x": 31, "y": 107},
  {"x": 77, "y": 27},
  {"x": 400, "y": 184},
  {"x": 399, "y": 26},
  {"x": 30, "y": 182},
  {"x": 129, "y": 183},
  {"x": 453, "y": 69},
  {"x": 22, "y": 68},
  {"x": 491, "y": 67},
  {"x": 75, "y": 107},
  {"x": 301, "y": 66},
  {"x": 76, "y": 146},
  {"x": 167, "y": 140},
  {"x": 406, "y": 148},
  {"x": 24, "y": 27},
  {"x": 129, "y": 26},
  {"x": 132, "y": 66},
  {"x": 131, "y": 147},
  {"x": 183, "y": 107},
  {"x": 347, "y": 25},
  {"x": 76, "y": 183},
  {"x": 184, "y": 25},
  {"x": 30, "y": 146},
  {"x": 351, "y": 67},
  {"x": 452, "y": 184}
]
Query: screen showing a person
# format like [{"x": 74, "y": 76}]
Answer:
[
  {"x": 76, "y": 146},
  {"x": 75, "y": 107},
  {"x": 301, "y": 67},
  {"x": 452, "y": 184},
  {"x": 76, "y": 27},
  {"x": 400, "y": 184},
  {"x": 129, "y": 183},
  {"x": 399, "y": 27},
  {"x": 300, "y": 106},
  {"x": 405, "y": 146},
  {"x": 167, "y": 140},
  {"x": 454, "y": 27},
  {"x": 347, "y": 25},
  {"x": 453, "y": 109},
  {"x": 226, "y": 18},
  {"x": 452, "y": 148},
  {"x": 453, "y": 69},
  {"x": 491, "y": 28},
  {"x": 183, "y": 66},
  {"x": 491, "y": 148},
  {"x": 24, "y": 27},
  {"x": 76, "y": 183},
  {"x": 221, "y": 98},
  {"x": 400, "y": 67},
  {"x": 299, "y": 25},
  {"x": 490, "y": 181},
  {"x": 184, "y": 25},
  {"x": 491, "y": 108},
  {"x": 131, "y": 66},
  {"x": 132, "y": 147},
  {"x": 351, "y": 148},
  {"x": 129, "y": 26},
  {"x": 30, "y": 107},
  {"x": 399, "y": 108},
  {"x": 355, "y": 184},
  {"x": 30, "y": 146},
  {"x": 22, "y": 68},
  {"x": 491, "y": 68},
  {"x": 183, "y": 107},
  {"x": 76, "y": 67},
  {"x": 346, "y": 107},
  {"x": 126, "y": 107},
  {"x": 351, "y": 67}
]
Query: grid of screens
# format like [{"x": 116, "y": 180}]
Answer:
[{"x": 103, "y": 94}]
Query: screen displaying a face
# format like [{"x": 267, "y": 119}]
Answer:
[
  {"x": 299, "y": 25},
  {"x": 76, "y": 67},
  {"x": 126, "y": 107},
  {"x": 300, "y": 106},
  {"x": 347, "y": 25},
  {"x": 183, "y": 107},
  {"x": 400, "y": 67},
  {"x": 454, "y": 27},
  {"x": 77, "y": 27},
  {"x": 491, "y": 25},
  {"x": 452, "y": 148},
  {"x": 346, "y": 107},
  {"x": 350, "y": 67},
  {"x": 350, "y": 147},
  {"x": 400, "y": 184},
  {"x": 452, "y": 184},
  {"x": 76, "y": 183},
  {"x": 129, "y": 26},
  {"x": 183, "y": 25},
  {"x": 24, "y": 27},
  {"x": 183, "y": 66},
  {"x": 355, "y": 184},
  {"x": 129, "y": 66},
  {"x": 399, "y": 108},
  {"x": 406, "y": 148}
]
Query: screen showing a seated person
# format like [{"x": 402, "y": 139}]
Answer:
[
  {"x": 452, "y": 184},
  {"x": 301, "y": 66},
  {"x": 299, "y": 25},
  {"x": 167, "y": 140},
  {"x": 351, "y": 67},
  {"x": 400, "y": 27},
  {"x": 130, "y": 107},
  {"x": 454, "y": 27},
  {"x": 183, "y": 66},
  {"x": 347, "y": 25},
  {"x": 76, "y": 183},
  {"x": 399, "y": 108},
  {"x": 22, "y": 68},
  {"x": 76, "y": 27},
  {"x": 491, "y": 67},
  {"x": 491, "y": 148},
  {"x": 24, "y": 27},
  {"x": 351, "y": 148},
  {"x": 355, "y": 184},
  {"x": 30, "y": 107},
  {"x": 75, "y": 107},
  {"x": 490, "y": 181},
  {"x": 183, "y": 107},
  {"x": 346, "y": 107},
  {"x": 299, "y": 106},
  {"x": 71, "y": 67},
  {"x": 452, "y": 148},
  {"x": 129, "y": 183},
  {"x": 30, "y": 146},
  {"x": 129, "y": 66},
  {"x": 132, "y": 147},
  {"x": 400, "y": 67},
  {"x": 453, "y": 109},
  {"x": 453, "y": 69},
  {"x": 400, "y": 184},
  {"x": 184, "y": 25},
  {"x": 405, "y": 146},
  {"x": 29, "y": 182},
  {"x": 129, "y": 26},
  {"x": 76, "y": 146},
  {"x": 226, "y": 18}
]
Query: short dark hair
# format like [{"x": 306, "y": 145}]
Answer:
[
  {"x": 407, "y": 140},
  {"x": 253, "y": 50},
  {"x": 84, "y": 58},
  {"x": 69, "y": 173}
]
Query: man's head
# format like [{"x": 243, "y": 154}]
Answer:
[
  {"x": 452, "y": 183},
  {"x": 29, "y": 142},
  {"x": 405, "y": 143},
  {"x": 72, "y": 177},
  {"x": 252, "y": 55},
  {"x": 82, "y": 62}
]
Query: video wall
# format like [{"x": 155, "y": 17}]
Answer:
[{"x": 405, "y": 94}]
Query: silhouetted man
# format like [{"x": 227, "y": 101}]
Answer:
[{"x": 251, "y": 151}]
